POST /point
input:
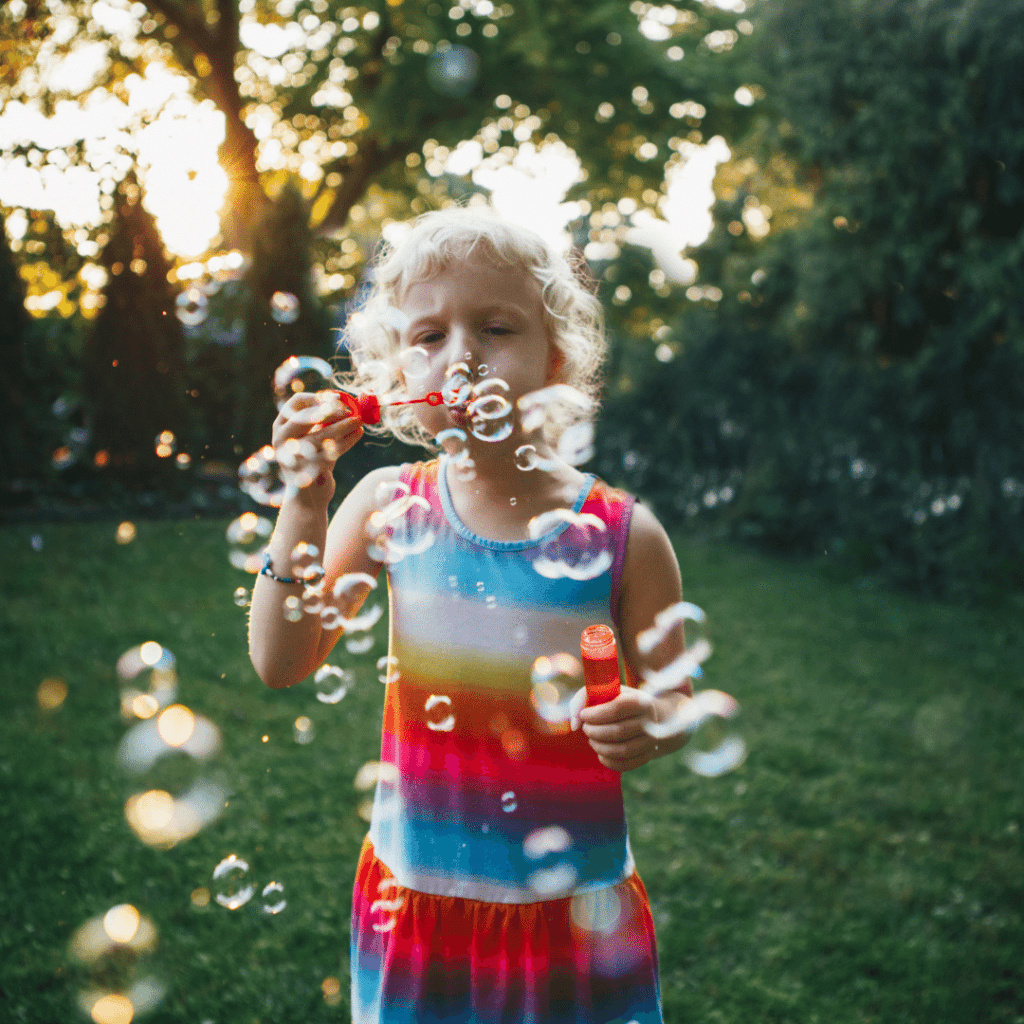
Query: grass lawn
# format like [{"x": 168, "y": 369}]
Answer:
[{"x": 864, "y": 864}]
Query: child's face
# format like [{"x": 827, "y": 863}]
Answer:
[{"x": 482, "y": 315}]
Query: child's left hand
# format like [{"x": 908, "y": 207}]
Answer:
[{"x": 616, "y": 730}]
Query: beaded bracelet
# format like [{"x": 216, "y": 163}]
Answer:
[{"x": 267, "y": 571}]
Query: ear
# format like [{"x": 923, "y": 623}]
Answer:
[{"x": 556, "y": 360}]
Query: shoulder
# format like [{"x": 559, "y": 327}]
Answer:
[{"x": 647, "y": 543}]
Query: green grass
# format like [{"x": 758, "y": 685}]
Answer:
[{"x": 864, "y": 864}]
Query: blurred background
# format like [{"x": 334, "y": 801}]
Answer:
[{"x": 806, "y": 220}]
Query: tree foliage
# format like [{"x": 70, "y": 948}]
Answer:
[{"x": 858, "y": 390}]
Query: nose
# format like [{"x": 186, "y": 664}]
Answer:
[{"x": 464, "y": 347}]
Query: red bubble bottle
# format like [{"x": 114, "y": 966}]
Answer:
[{"x": 600, "y": 664}]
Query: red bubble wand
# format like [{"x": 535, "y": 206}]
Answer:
[{"x": 367, "y": 407}]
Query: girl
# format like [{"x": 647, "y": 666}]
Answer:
[{"x": 496, "y": 883}]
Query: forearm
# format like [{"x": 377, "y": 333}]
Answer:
[
  {"x": 284, "y": 652},
  {"x": 665, "y": 706}
]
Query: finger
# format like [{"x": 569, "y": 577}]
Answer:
[
  {"x": 617, "y": 732},
  {"x": 629, "y": 703},
  {"x": 627, "y": 751}
]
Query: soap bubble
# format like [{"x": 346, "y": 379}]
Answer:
[
  {"x": 453, "y": 441},
  {"x": 414, "y": 363},
  {"x": 443, "y": 720},
  {"x": 401, "y": 525},
  {"x": 453, "y": 71},
  {"x": 299, "y": 461},
  {"x": 302, "y": 373},
  {"x": 303, "y": 730},
  {"x": 576, "y": 444},
  {"x": 555, "y": 881},
  {"x": 509, "y": 802},
  {"x": 113, "y": 950},
  {"x": 155, "y": 664},
  {"x": 679, "y": 630},
  {"x": 556, "y": 400},
  {"x": 125, "y": 533},
  {"x": 597, "y": 911},
  {"x": 284, "y": 307},
  {"x": 305, "y": 559},
  {"x": 273, "y": 898},
  {"x": 388, "y": 906},
  {"x": 541, "y": 842},
  {"x": 388, "y": 670},
  {"x": 176, "y": 728},
  {"x": 708, "y": 752},
  {"x": 192, "y": 306},
  {"x": 259, "y": 476},
  {"x": 359, "y": 644},
  {"x": 241, "y": 597},
  {"x": 555, "y": 681},
  {"x": 165, "y": 444},
  {"x": 332, "y": 683},
  {"x": 162, "y": 820},
  {"x": 247, "y": 537},
  {"x": 527, "y": 458},
  {"x": 458, "y": 383},
  {"x": 489, "y": 411},
  {"x": 233, "y": 887},
  {"x": 292, "y": 608},
  {"x": 63, "y": 457},
  {"x": 313, "y": 597},
  {"x": 349, "y": 612},
  {"x": 574, "y": 545}
]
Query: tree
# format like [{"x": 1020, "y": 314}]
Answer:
[{"x": 133, "y": 364}]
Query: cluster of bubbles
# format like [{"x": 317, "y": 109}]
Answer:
[
  {"x": 114, "y": 951},
  {"x": 234, "y": 887},
  {"x": 163, "y": 731}
]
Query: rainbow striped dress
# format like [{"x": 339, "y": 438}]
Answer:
[{"x": 496, "y": 885}]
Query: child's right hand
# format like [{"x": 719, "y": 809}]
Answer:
[{"x": 322, "y": 419}]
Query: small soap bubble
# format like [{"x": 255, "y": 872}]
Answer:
[
  {"x": 509, "y": 802},
  {"x": 293, "y": 608},
  {"x": 183, "y": 460},
  {"x": 482, "y": 370},
  {"x": 305, "y": 559},
  {"x": 241, "y": 597},
  {"x": 114, "y": 949},
  {"x": 36, "y": 542},
  {"x": 453, "y": 71},
  {"x": 458, "y": 383},
  {"x": 453, "y": 441},
  {"x": 541, "y": 842},
  {"x": 576, "y": 445},
  {"x": 415, "y": 363},
  {"x": 302, "y": 373},
  {"x": 162, "y": 820},
  {"x": 559, "y": 402},
  {"x": 349, "y": 593},
  {"x": 402, "y": 527},
  {"x": 708, "y": 752},
  {"x": 233, "y": 887},
  {"x": 299, "y": 462},
  {"x": 573, "y": 545},
  {"x": 558, "y": 880},
  {"x": 247, "y": 536},
  {"x": 284, "y": 307},
  {"x": 273, "y": 898},
  {"x": 387, "y": 669},
  {"x": 489, "y": 411},
  {"x": 156, "y": 666},
  {"x": 166, "y": 444},
  {"x": 332, "y": 683},
  {"x": 259, "y": 476},
  {"x": 439, "y": 708},
  {"x": 395, "y": 319},
  {"x": 680, "y": 632},
  {"x": 555, "y": 681},
  {"x": 125, "y": 533},
  {"x": 491, "y": 601},
  {"x": 303, "y": 730},
  {"x": 388, "y": 906},
  {"x": 192, "y": 306},
  {"x": 597, "y": 911}
]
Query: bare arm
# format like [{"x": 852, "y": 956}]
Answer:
[
  {"x": 283, "y": 652},
  {"x": 650, "y": 583}
]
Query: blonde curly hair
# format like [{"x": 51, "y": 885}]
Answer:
[{"x": 573, "y": 315}]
